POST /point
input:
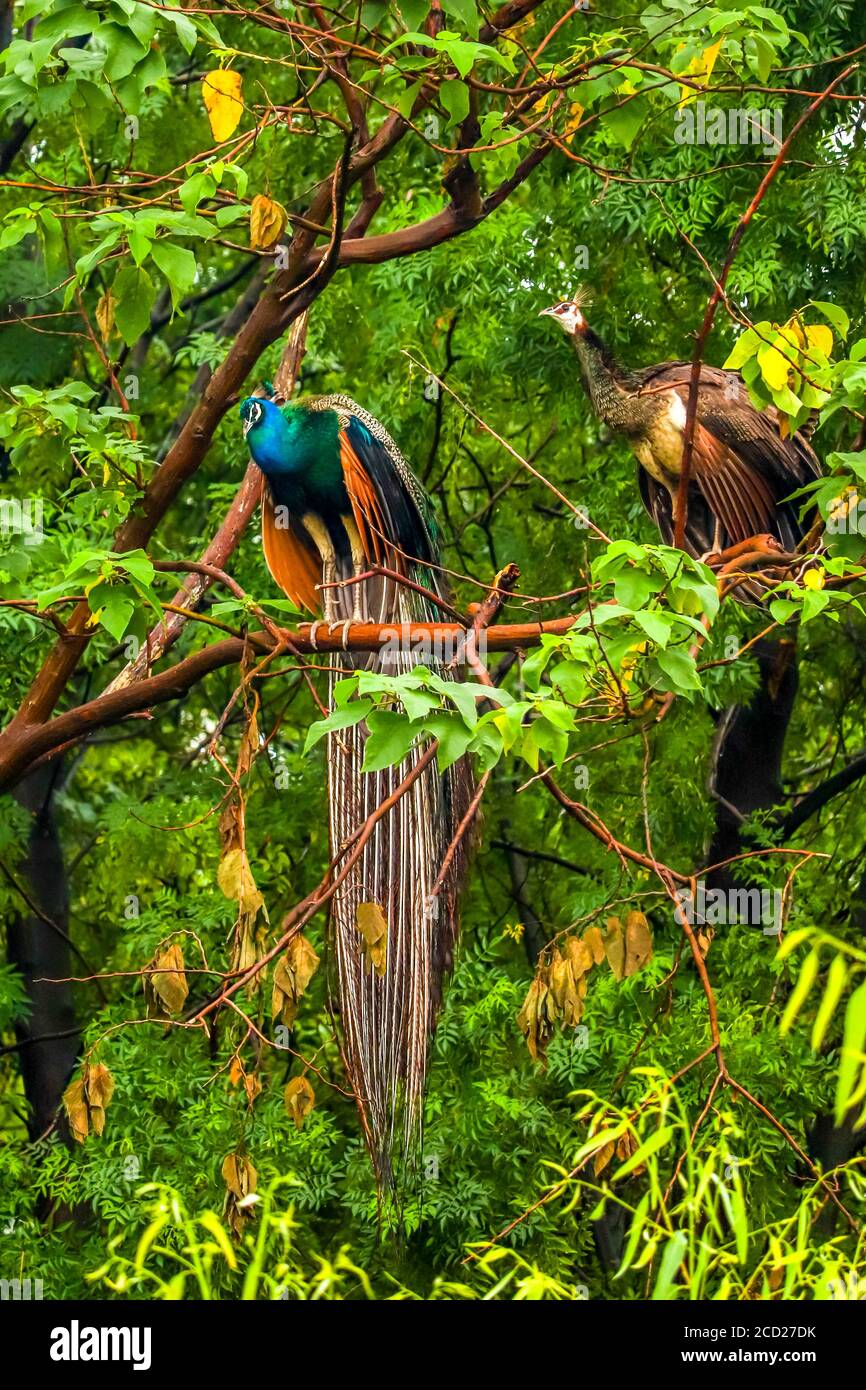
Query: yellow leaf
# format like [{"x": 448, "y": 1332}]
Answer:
[
  {"x": 267, "y": 222},
  {"x": 797, "y": 329},
  {"x": 575, "y": 116},
  {"x": 774, "y": 366},
  {"x": 701, "y": 69},
  {"x": 819, "y": 336},
  {"x": 814, "y": 579},
  {"x": 842, "y": 506},
  {"x": 221, "y": 90}
]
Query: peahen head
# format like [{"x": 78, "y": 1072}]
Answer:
[
  {"x": 568, "y": 312},
  {"x": 568, "y": 316}
]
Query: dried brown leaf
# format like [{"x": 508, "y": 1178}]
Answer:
[
  {"x": 85, "y": 1100},
  {"x": 536, "y": 1018},
  {"x": 595, "y": 942},
  {"x": 294, "y": 971},
  {"x": 580, "y": 956},
  {"x": 241, "y": 1179},
  {"x": 105, "y": 314},
  {"x": 373, "y": 926},
  {"x": 75, "y": 1105},
  {"x": 603, "y": 1157},
  {"x": 614, "y": 947},
  {"x": 166, "y": 992},
  {"x": 638, "y": 943},
  {"x": 235, "y": 878},
  {"x": 299, "y": 1098}
]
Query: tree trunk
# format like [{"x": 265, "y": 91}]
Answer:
[
  {"x": 38, "y": 946},
  {"x": 746, "y": 773}
]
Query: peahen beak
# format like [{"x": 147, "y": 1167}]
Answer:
[{"x": 568, "y": 316}]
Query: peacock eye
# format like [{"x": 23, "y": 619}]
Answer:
[{"x": 252, "y": 414}]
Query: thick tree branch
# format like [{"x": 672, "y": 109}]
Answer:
[
  {"x": 818, "y": 797},
  {"x": 26, "y": 744}
]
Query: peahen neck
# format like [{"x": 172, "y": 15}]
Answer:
[{"x": 609, "y": 388}]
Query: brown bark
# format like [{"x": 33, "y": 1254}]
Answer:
[
  {"x": 38, "y": 946},
  {"x": 27, "y": 744}
]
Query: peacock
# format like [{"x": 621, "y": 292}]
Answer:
[
  {"x": 742, "y": 471},
  {"x": 339, "y": 499}
]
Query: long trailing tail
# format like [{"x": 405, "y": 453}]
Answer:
[{"x": 394, "y": 935}]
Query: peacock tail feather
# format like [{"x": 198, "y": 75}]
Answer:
[
  {"x": 388, "y": 1018},
  {"x": 388, "y": 998}
]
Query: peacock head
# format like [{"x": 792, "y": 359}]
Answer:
[{"x": 252, "y": 412}]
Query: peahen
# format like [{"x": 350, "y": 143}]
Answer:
[
  {"x": 742, "y": 470},
  {"x": 339, "y": 498}
]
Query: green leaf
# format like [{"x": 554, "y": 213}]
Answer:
[
  {"x": 135, "y": 293},
  {"x": 465, "y": 12},
  {"x": 455, "y": 98},
  {"x": 650, "y": 1146},
  {"x": 656, "y": 625},
  {"x": 113, "y": 606},
  {"x": 834, "y": 315},
  {"x": 413, "y": 12},
  {"x": 800, "y": 992},
  {"x": 177, "y": 265},
  {"x": 453, "y": 735},
  {"x": 390, "y": 738},
  {"x": 836, "y": 978},
  {"x": 624, "y": 122},
  {"x": 679, "y": 669},
  {"x": 344, "y": 718},
  {"x": 671, "y": 1260},
  {"x": 745, "y": 347},
  {"x": 853, "y": 1042}
]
